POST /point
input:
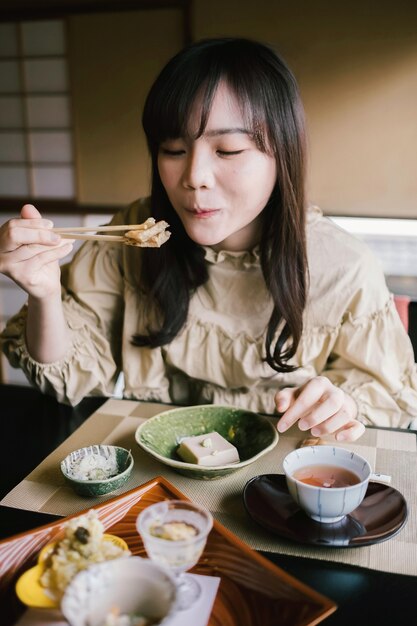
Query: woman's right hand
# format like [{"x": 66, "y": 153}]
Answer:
[{"x": 30, "y": 253}]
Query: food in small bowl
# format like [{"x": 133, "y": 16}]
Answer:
[
  {"x": 174, "y": 533},
  {"x": 207, "y": 431},
  {"x": 327, "y": 482},
  {"x": 98, "y": 469},
  {"x": 126, "y": 592},
  {"x": 83, "y": 544}
]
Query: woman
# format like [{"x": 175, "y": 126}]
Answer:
[{"x": 254, "y": 301}]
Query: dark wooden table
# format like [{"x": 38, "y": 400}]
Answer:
[{"x": 32, "y": 425}]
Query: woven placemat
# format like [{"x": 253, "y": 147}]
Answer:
[{"x": 115, "y": 422}]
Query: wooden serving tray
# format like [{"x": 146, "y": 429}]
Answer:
[{"x": 252, "y": 592}]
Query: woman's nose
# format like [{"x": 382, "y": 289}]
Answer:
[{"x": 198, "y": 172}]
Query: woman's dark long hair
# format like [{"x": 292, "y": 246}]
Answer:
[{"x": 273, "y": 112}]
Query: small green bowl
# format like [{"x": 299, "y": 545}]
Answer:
[
  {"x": 120, "y": 458},
  {"x": 252, "y": 434}
]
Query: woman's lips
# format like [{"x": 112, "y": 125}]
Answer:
[{"x": 203, "y": 213}]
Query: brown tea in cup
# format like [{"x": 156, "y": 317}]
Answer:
[
  {"x": 328, "y": 476},
  {"x": 342, "y": 475}
]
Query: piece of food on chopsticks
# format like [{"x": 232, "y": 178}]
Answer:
[
  {"x": 149, "y": 234},
  {"x": 83, "y": 544},
  {"x": 153, "y": 235}
]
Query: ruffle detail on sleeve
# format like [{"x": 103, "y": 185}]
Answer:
[
  {"x": 86, "y": 369},
  {"x": 406, "y": 398},
  {"x": 381, "y": 314},
  {"x": 377, "y": 408},
  {"x": 373, "y": 361}
]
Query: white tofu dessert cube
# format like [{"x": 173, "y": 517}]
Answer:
[{"x": 210, "y": 449}]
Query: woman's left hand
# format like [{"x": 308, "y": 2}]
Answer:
[{"x": 321, "y": 407}]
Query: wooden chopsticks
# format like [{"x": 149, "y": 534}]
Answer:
[
  {"x": 86, "y": 237},
  {"x": 80, "y": 232},
  {"x": 149, "y": 234},
  {"x": 86, "y": 229}
]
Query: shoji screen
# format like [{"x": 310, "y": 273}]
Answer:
[{"x": 36, "y": 151}]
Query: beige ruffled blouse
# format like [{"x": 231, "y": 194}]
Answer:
[{"x": 352, "y": 332}]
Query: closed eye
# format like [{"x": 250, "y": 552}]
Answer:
[{"x": 229, "y": 152}]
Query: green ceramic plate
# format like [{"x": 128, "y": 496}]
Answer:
[
  {"x": 252, "y": 434},
  {"x": 120, "y": 458}
]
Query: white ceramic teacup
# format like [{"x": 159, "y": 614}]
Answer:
[{"x": 327, "y": 504}]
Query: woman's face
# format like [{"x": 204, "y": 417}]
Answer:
[{"x": 219, "y": 183}]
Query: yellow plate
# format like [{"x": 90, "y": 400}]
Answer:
[{"x": 30, "y": 591}]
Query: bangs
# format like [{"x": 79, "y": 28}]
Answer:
[{"x": 180, "y": 88}]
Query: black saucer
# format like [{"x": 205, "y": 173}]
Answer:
[{"x": 381, "y": 515}]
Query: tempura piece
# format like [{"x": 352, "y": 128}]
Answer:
[{"x": 152, "y": 235}]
